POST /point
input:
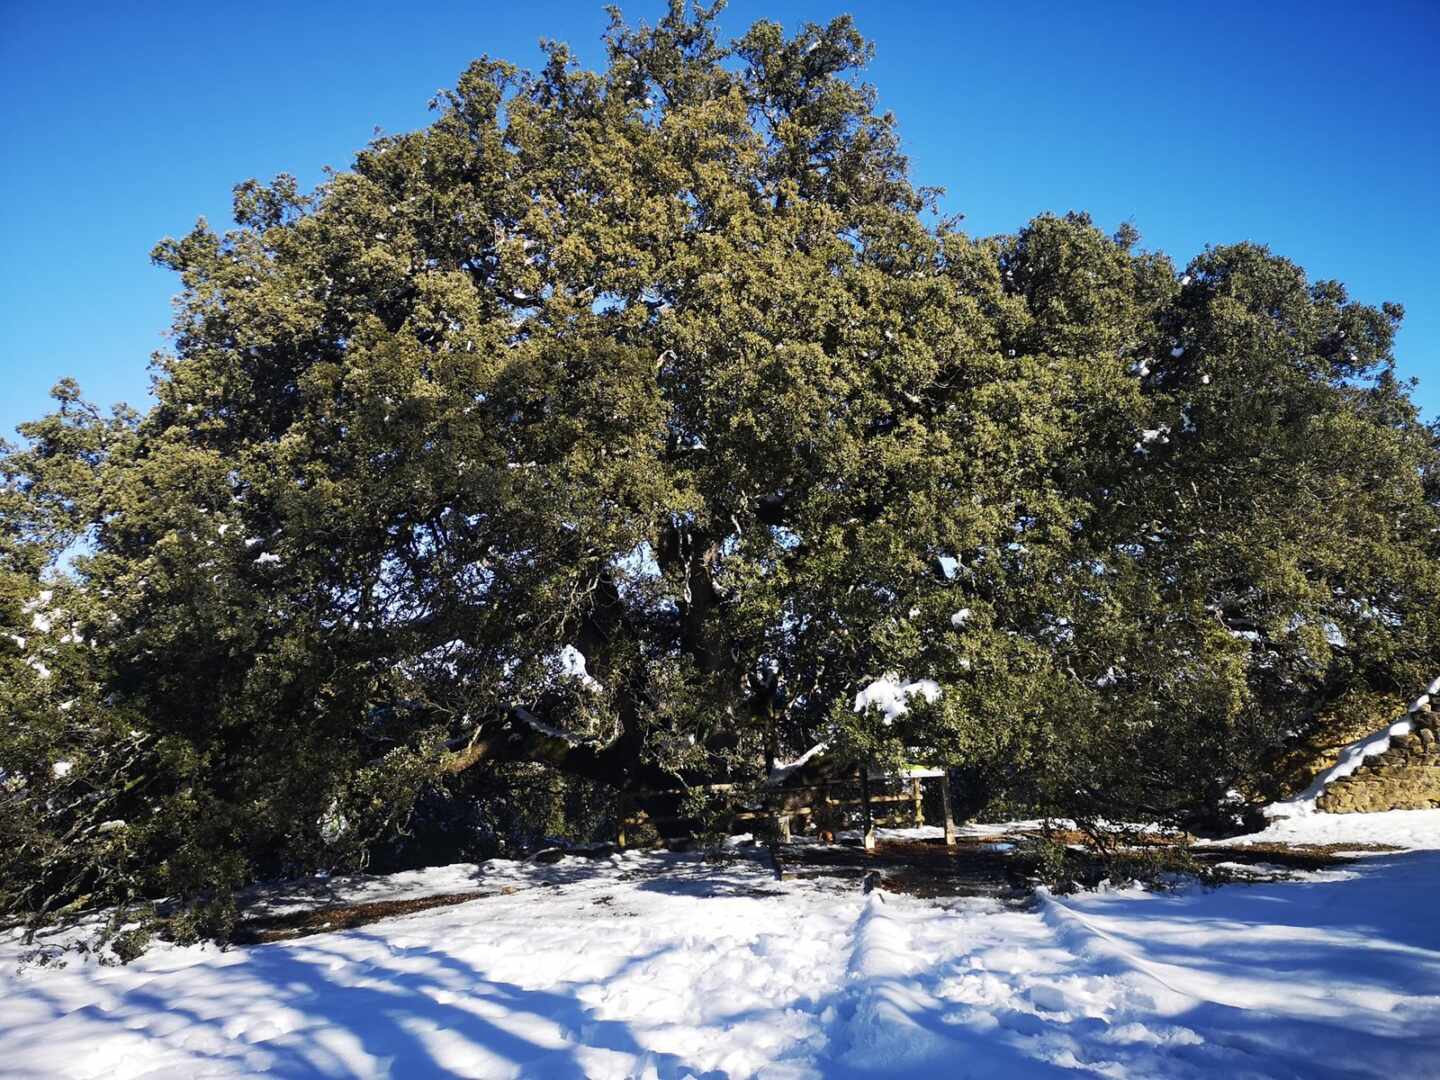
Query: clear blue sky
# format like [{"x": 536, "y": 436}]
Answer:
[{"x": 1313, "y": 127}]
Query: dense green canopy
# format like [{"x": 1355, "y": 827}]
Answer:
[{"x": 633, "y": 423}]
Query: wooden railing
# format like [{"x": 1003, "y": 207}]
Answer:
[{"x": 781, "y": 804}]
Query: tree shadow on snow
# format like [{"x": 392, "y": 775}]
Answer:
[
  {"x": 299, "y": 1011},
  {"x": 369, "y": 1002}
]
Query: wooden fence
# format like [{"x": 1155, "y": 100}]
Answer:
[{"x": 782, "y": 804}]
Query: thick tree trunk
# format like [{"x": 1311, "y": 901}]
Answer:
[{"x": 522, "y": 737}]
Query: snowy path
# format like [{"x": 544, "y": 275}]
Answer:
[{"x": 662, "y": 966}]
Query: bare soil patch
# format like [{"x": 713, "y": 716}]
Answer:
[{"x": 296, "y": 924}]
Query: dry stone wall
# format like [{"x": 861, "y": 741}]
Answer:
[{"x": 1404, "y": 777}]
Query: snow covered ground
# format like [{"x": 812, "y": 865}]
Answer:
[
  {"x": 647, "y": 965},
  {"x": 1416, "y": 830}
]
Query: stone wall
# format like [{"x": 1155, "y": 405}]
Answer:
[
  {"x": 1291, "y": 770},
  {"x": 1404, "y": 777}
]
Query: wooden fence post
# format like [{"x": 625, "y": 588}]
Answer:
[
  {"x": 945, "y": 802},
  {"x": 782, "y": 828},
  {"x": 919, "y": 805},
  {"x": 622, "y": 812},
  {"x": 869, "y": 839}
]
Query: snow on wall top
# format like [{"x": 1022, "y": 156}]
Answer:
[{"x": 1351, "y": 758}]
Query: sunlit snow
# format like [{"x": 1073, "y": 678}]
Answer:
[{"x": 659, "y": 965}]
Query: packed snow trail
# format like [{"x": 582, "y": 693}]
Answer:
[{"x": 664, "y": 966}]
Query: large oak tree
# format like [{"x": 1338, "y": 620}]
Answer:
[{"x": 633, "y": 423}]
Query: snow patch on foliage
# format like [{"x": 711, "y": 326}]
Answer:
[
  {"x": 333, "y": 823},
  {"x": 892, "y": 697},
  {"x": 530, "y": 720},
  {"x": 572, "y": 664},
  {"x": 1159, "y": 435},
  {"x": 783, "y": 770}
]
